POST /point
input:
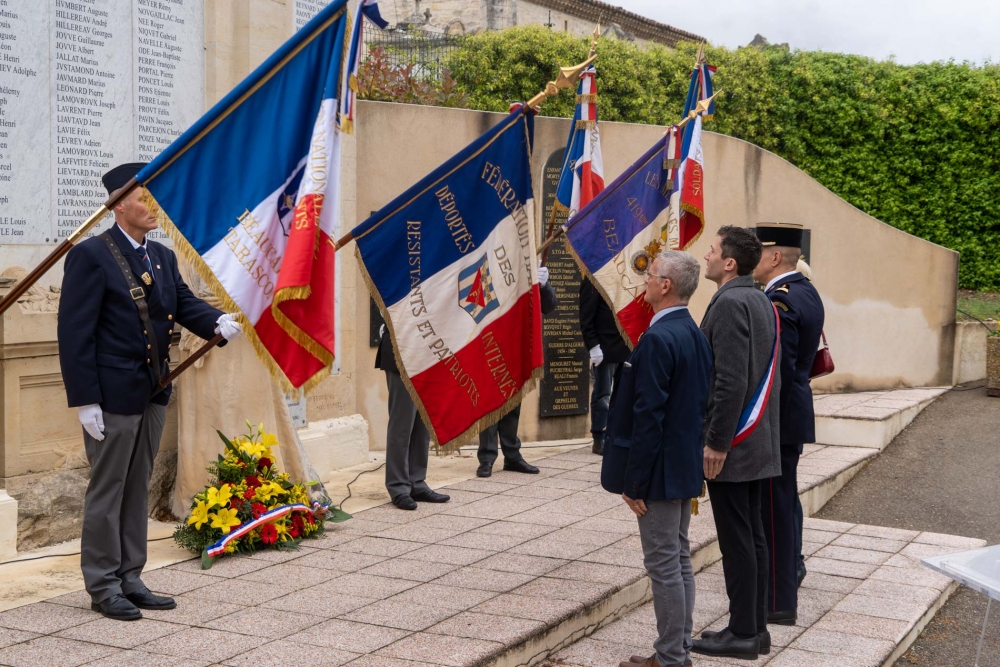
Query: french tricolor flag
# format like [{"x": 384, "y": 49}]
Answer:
[
  {"x": 582, "y": 176},
  {"x": 451, "y": 264},
  {"x": 687, "y": 201},
  {"x": 250, "y": 194}
]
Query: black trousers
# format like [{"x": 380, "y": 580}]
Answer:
[
  {"x": 736, "y": 506},
  {"x": 779, "y": 496},
  {"x": 506, "y": 429}
]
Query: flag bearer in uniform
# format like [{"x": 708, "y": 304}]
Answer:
[
  {"x": 122, "y": 298},
  {"x": 801, "y": 313}
]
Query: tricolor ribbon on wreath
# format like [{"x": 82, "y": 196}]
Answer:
[{"x": 217, "y": 549}]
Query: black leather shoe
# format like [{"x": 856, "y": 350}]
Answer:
[
  {"x": 144, "y": 599},
  {"x": 763, "y": 637},
  {"x": 519, "y": 466},
  {"x": 117, "y": 608},
  {"x": 484, "y": 470},
  {"x": 781, "y": 617},
  {"x": 404, "y": 502},
  {"x": 430, "y": 496},
  {"x": 598, "y": 446},
  {"x": 727, "y": 645}
]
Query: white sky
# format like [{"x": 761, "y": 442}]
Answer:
[{"x": 911, "y": 30}]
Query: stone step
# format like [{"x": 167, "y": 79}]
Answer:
[
  {"x": 869, "y": 419},
  {"x": 864, "y": 601}
]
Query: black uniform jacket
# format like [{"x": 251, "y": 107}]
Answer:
[
  {"x": 802, "y": 315},
  {"x": 103, "y": 347},
  {"x": 385, "y": 359},
  {"x": 597, "y": 323}
]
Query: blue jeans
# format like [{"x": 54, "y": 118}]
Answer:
[{"x": 600, "y": 400}]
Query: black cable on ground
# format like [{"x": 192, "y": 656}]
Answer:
[
  {"x": 980, "y": 385},
  {"x": 976, "y": 319},
  {"x": 363, "y": 472}
]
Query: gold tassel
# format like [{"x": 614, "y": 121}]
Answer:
[
  {"x": 586, "y": 124},
  {"x": 694, "y": 506}
]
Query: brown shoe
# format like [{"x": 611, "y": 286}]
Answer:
[{"x": 640, "y": 660}]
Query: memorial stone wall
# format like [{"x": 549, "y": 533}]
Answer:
[{"x": 86, "y": 85}]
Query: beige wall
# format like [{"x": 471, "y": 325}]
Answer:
[{"x": 889, "y": 296}]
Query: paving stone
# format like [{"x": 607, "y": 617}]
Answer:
[
  {"x": 437, "y": 553},
  {"x": 838, "y": 643},
  {"x": 640, "y": 634},
  {"x": 623, "y": 513},
  {"x": 118, "y": 634},
  {"x": 263, "y": 622},
  {"x": 546, "y": 547},
  {"x": 545, "y": 518},
  {"x": 320, "y": 602},
  {"x": 896, "y": 591},
  {"x": 853, "y": 555},
  {"x": 513, "y": 528},
  {"x": 819, "y": 536},
  {"x": 224, "y": 568},
  {"x": 358, "y": 638},
  {"x": 918, "y": 550},
  {"x": 45, "y": 618},
  {"x": 368, "y": 586},
  {"x": 839, "y": 568},
  {"x": 459, "y": 524},
  {"x": 813, "y": 604},
  {"x": 869, "y": 543},
  {"x": 504, "y": 629},
  {"x": 414, "y": 570},
  {"x": 614, "y": 555},
  {"x": 869, "y": 606},
  {"x": 204, "y": 644},
  {"x": 603, "y": 525},
  {"x": 546, "y": 610},
  {"x": 388, "y": 513},
  {"x": 446, "y": 597},
  {"x": 521, "y": 563},
  {"x": 275, "y": 556},
  {"x": 411, "y": 532},
  {"x": 827, "y": 582},
  {"x": 953, "y": 542},
  {"x": 293, "y": 575},
  {"x": 10, "y": 637},
  {"x": 588, "y": 593},
  {"x": 543, "y": 492},
  {"x": 385, "y": 661},
  {"x": 79, "y": 599},
  {"x": 457, "y": 498},
  {"x": 175, "y": 582},
  {"x": 599, "y": 573},
  {"x": 865, "y": 626},
  {"x": 137, "y": 658},
  {"x": 53, "y": 652},
  {"x": 514, "y": 478},
  {"x": 583, "y": 504},
  {"x": 809, "y": 548},
  {"x": 283, "y": 653},
  {"x": 379, "y": 546},
  {"x": 341, "y": 561},
  {"x": 496, "y": 507},
  {"x": 489, "y": 486},
  {"x": 589, "y": 652},
  {"x": 192, "y": 611},
  {"x": 474, "y": 540},
  {"x": 483, "y": 579},
  {"x": 886, "y": 533},
  {"x": 363, "y": 526},
  {"x": 245, "y": 592},
  {"x": 791, "y": 657},
  {"x": 915, "y": 576},
  {"x": 586, "y": 476},
  {"x": 561, "y": 464},
  {"x": 441, "y": 649},
  {"x": 563, "y": 483},
  {"x": 401, "y": 615},
  {"x": 783, "y": 635},
  {"x": 330, "y": 538},
  {"x": 827, "y": 525}
]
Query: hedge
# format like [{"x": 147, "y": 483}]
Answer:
[{"x": 917, "y": 146}]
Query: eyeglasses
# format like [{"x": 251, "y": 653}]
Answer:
[{"x": 656, "y": 275}]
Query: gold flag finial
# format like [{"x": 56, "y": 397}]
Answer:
[
  {"x": 700, "y": 58},
  {"x": 568, "y": 76},
  {"x": 596, "y": 36}
]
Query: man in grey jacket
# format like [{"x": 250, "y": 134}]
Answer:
[{"x": 742, "y": 445}]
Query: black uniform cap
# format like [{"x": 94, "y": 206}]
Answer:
[
  {"x": 120, "y": 175},
  {"x": 785, "y": 234}
]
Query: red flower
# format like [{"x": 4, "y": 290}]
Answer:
[
  {"x": 252, "y": 481},
  {"x": 298, "y": 523},
  {"x": 249, "y": 493},
  {"x": 294, "y": 531},
  {"x": 268, "y": 533},
  {"x": 311, "y": 519},
  {"x": 257, "y": 509},
  {"x": 263, "y": 463},
  {"x": 236, "y": 503}
]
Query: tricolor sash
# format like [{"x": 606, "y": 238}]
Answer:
[{"x": 753, "y": 413}]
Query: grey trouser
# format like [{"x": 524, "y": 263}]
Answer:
[
  {"x": 666, "y": 552},
  {"x": 407, "y": 442},
  {"x": 115, "y": 512},
  {"x": 600, "y": 397},
  {"x": 506, "y": 430}
]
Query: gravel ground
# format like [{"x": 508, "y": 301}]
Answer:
[{"x": 941, "y": 474}]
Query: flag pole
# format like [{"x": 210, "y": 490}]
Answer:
[
  {"x": 555, "y": 202},
  {"x": 694, "y": 113},
  {"x": 60, "y": 250}
]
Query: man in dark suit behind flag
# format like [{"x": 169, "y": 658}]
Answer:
[
  {"x": 801, "y": 312},
  {"x": 122, "y": 296},
  {"x": 653, "y": 450}
]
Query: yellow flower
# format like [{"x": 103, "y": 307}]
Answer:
[
  {"x": 220, "y": 496},
  {"x": 282, "y": 531},
  {"x": 254, "y": 449},
  {"x": 268, "y": 490},
  {"x": 224, "y": 520},
  {"x": 268, "y": 439},
  {"x": 199, "y": 515}
]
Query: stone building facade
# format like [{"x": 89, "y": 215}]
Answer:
[{"x": 576, "y": 17}]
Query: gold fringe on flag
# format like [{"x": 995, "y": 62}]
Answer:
[
  {"x": 587, "y": 98},
  {"x": 586, "y": 124}
]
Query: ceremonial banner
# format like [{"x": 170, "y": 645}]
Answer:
[
  {"x": 349, "y": 90},
  {"x": 451, "y": 264},
  {"x": 687, "y": 201},
  {"x": 251, "y": 196},
  {"x": 582, "y": 174},
  {"x": 615, "y": 236}
]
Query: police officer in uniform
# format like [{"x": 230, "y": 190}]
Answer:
[
  {"x": 801, "y": 312},
  {"x": 121, "y": 299}
]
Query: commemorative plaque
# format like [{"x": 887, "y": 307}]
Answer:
[{"x": 565, "y": 388}]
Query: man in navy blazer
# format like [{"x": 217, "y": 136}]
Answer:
[
  {"x": 112, "y": 358},
  {"x": 653, "y": 447}
]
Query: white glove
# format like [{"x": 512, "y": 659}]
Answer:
[
  {"x": 92, "y": 418},
  {"x": 228, "y": 326},
  {"x": 596, "y": 355},
  {"x": 543, "y": 276}
]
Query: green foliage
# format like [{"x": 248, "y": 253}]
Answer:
[
  {"x": 916, "y": 146},
  {"x": 381, "y": 80}
]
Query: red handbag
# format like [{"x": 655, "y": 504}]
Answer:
[{"x": 823, "y": 363}]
